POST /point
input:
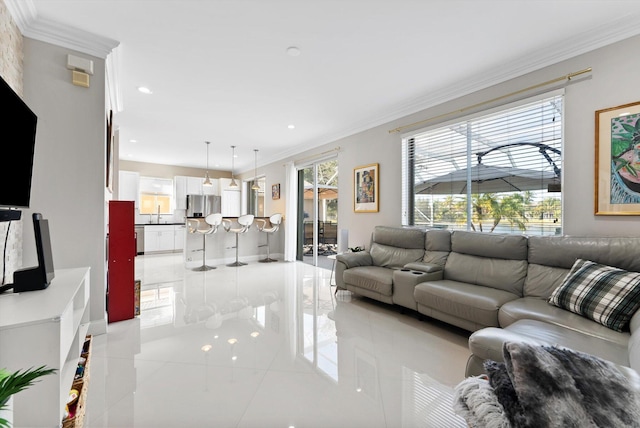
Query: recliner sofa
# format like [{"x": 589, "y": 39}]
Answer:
[{"x": 496, "y": 286}]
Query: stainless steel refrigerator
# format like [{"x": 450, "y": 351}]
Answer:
[{"x": 203, "y": 205}]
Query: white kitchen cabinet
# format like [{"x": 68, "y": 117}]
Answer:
[
  {"x": 230, "y": 203},
  {"x": 129, "y": 187},
  {"x": 158, "y": 238},
  {"x": 214, "y": 189},
  {"x": 180, "y": 192},
  {"x": 184, "y": 186},
  {"x": 179, "y": 236},
  {"x": 194, "y": 185},
  {"x": 45, "y": 327}
]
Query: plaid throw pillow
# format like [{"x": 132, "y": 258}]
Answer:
[{"x": 605, "y": 294}]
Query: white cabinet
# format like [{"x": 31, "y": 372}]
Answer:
[
  {"x": 184, "y": 186},
  {"x": 230, "y": 201},
  {"x": 180, "y": 192},
  {"x": 194, "y": 185},
  {"x": 45, "y": 327},
  {"x": 214, "y": 189},
  {"x": 179, "y": 236},
  {"x": 129, "y": 187},
  {"x": 164, "y": 237},
  {"x": 158, "y": 238}
]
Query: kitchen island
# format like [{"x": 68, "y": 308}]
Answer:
[{"x": 221, "y": 245}]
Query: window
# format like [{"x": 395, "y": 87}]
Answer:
[
  {"x": 495, "y": 172},
  {"x": 156, "y": 195}
]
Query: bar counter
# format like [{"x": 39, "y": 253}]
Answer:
[{"x": 220, "y": 246}]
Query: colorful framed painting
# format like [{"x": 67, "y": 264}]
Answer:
[
  {"x": 275, "y": 191},
  {"x": 366, "y": 189},
  {"x": 617, "y": 169}
]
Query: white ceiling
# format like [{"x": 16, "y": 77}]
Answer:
[{"x": 219, "y": 70}]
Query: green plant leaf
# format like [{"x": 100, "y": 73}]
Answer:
[{"x": 20, "y": 380}]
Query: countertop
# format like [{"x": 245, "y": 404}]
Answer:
[
  {"x": 159, "y": 224},
  {"x": 188, "y": 218}
]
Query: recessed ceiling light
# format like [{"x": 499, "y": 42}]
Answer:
[
  {"x": 133, "y": 141},
  {"x": 293, "y": 51},
  {"x": 292, "y": 126},
  {"x": 144, "y": 90}
]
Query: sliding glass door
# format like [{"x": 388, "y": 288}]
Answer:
[{"x": 318, "y": 211}]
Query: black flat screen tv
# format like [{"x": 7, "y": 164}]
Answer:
[{"x": 18, "y": 124}]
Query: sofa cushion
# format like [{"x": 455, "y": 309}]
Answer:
[
  {"x": 373, "y": 278},
  {"x": 533, "y": 308},
  {"x": 541, "y": 280},
  {"x": 496, "y": 273},
  {"x": 394, "y": 257},
  {"x": 487, "y": 343},
  {"x": 605, "y": 294},
  {"x": 470, "y": 302},
  {"x": 563, "y": 251},
  {"x": 399, "y": 237},
  {"x": 494, "y": 245}
]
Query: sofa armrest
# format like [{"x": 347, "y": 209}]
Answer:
[
  {"x": 424, "y": 267},
  {"x": 351, "y": 260}
]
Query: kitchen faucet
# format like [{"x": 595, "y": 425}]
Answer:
[{"x": 158, "y": 214}]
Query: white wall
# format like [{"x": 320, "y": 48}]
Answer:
[
  {"x": 613, "y": 82},
  {"x": 68, "y": 184}
]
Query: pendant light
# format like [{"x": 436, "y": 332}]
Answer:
[
  {"x": 255, "y": 172},
  {"x": 207, "y": 181},
  {"x": 233, "y": 157}
]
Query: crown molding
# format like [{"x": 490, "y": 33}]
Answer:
[
  {"x": 26, "y": 17},
  {"x": 600, "y": 36},
  {"x": 597, "y": 37}
]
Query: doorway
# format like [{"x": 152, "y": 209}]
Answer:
[{"x": 318, "y": 212}]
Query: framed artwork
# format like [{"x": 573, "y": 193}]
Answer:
[
  {"x": 366, "y": 189},
  {"x": 275, "y": 191},
  {"x": 617, "y": 174}
]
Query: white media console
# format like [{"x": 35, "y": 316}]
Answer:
[{"x": 45, "y": 327}]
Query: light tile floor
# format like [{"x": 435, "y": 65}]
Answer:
[{"x": 269, "y": 345}]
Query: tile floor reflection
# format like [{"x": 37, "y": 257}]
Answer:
[{"x": 269, "y": 345}]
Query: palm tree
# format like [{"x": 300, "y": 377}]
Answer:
[{"x": 511, "y": 207}]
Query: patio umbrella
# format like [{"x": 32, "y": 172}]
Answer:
[
  {"x": 323, "y": 193},
  {"x": 487, "y": 179}
]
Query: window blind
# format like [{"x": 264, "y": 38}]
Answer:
[{"x": 498, "y": 171}]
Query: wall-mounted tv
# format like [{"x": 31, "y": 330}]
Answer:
[{"x": 18, "y": 124}]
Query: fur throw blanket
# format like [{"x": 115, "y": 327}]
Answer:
[{"x": 545, "y": 386}]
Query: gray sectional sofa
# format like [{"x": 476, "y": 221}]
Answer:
[{"x": 496, "y": 286}]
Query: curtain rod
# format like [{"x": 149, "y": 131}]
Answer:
[
  {"x": 317, "y": 155},
  {"x": 539, "y": 85}
]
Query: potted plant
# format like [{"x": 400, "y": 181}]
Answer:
[{"x": 12, "y": 383}]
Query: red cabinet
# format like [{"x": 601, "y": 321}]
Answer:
[{"x": 121, "y": 253}]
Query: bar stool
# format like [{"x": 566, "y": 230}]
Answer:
[
  {"x": 244, "y": 222},
  {"x": 275, "y": 221},
  {"x": 213, "y": 221}
]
